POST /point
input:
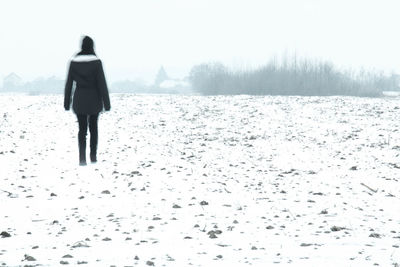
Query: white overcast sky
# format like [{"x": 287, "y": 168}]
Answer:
[{"x": 133, "y": 38}]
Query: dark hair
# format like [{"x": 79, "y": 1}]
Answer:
[{"x": 87, "y": 46}]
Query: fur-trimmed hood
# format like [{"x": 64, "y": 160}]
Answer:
[{"x": 84, "y": 58}]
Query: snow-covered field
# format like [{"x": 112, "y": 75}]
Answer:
[{"x": 202, "y": 181}]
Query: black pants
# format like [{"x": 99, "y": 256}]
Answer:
[{"x": 83, "y": 125}]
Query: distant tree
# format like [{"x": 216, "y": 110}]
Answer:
[
  {"x": 208, "y": 78},
  {"x": 161, "y": 76},
  {"x": 50, "y": 85},
  {"x": 390, "y": 83}
]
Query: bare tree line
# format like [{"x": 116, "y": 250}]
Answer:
[{"x": 290, "y": 77}]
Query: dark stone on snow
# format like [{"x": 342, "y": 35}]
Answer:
[{"x": 4, "y": 234}]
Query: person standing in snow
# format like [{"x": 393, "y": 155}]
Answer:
[{"x": 89, "y": 98}]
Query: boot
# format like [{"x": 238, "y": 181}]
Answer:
[
  {"x": 93, "y": 157},
  {"x": 82, "y": 156},
  {"x": 93, "y": 150}
]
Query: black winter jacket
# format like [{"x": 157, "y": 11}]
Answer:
[{"x": 91, "y": 88}]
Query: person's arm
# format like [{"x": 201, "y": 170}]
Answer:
[
  {"x": 68, "y": 89},
  {"x": 102, "y": 84}
]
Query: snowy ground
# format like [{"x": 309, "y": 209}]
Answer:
[{"x": 202, "y": 181}]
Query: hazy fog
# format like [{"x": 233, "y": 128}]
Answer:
[{"x": 134, "y": 38}]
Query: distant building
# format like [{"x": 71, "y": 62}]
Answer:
[
  {"x": 12, "y": 81},
  {"x": 175, "y": 86},
  {"x": 171, "y": 83}
]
